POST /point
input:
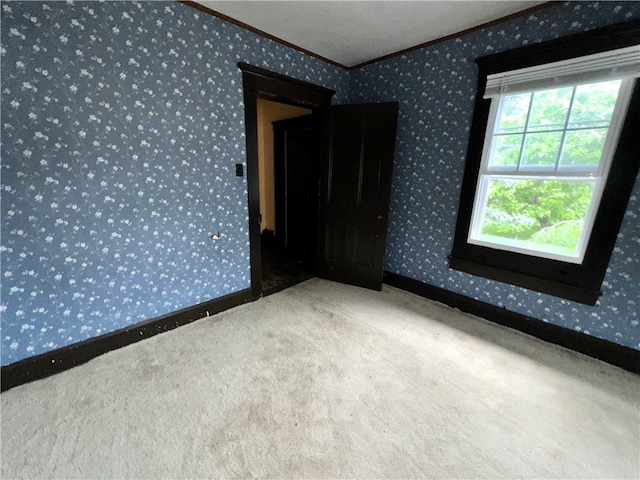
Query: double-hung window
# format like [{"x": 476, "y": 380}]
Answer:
[
  {"x": 547, "y": 154},
  {"x": 532, "y": 210}
]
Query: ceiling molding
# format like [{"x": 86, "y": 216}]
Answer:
[
  {"x": 492, "y": 23},
  {"x": 226, "y": 18},
  {"x": 262, "y": 33}
]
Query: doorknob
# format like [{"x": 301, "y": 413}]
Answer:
[{"x": 379, "y": 217}]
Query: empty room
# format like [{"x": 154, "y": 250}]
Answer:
[{"x": 377, "y": 239}]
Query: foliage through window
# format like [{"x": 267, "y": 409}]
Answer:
[{"x": 546, "y": 157}]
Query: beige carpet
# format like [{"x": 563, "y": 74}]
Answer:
[{"x": 326, "y": 380}]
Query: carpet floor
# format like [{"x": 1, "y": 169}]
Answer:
[{"x": 324, "y": 380}]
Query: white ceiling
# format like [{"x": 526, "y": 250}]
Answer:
[{"x": 354, "y": 32}]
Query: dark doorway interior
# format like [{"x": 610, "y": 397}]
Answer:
[
  {"x": 289, "y": 254},
  {"x": 281, "y": 268}
]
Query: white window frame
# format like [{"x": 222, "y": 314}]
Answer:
[{"x": 622, "y": 64}]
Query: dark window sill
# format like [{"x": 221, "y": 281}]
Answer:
[{"x": 558, "y": 289}]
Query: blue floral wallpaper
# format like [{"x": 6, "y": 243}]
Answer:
[
  {"x": 436, "y": 88},
  {"x": 122, "y": 123}
]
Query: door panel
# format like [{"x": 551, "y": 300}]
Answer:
[
  {"x": 336, "y": 235},
  {"x": 366, "y": 240},
  {"x": 344, "y": 174},
  {"x": 357, "y": 163}
]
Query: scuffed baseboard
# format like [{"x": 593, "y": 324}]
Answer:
[
  {"x": 55, "y": 361},
  {"x": 609, "y": 352}
]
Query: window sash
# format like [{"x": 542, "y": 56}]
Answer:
[
  {"x": 608, "y": 150},
  {"x": 599, "y": 175},
  {"x": 480, "y": 204}
]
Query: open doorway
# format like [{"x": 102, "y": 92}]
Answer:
[
  {"x": 287, "y": 173},
  {"x": 354, "y": 150},
  {"x": 259, "y": 83}
]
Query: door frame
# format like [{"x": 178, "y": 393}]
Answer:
[{"x": 260, "y": 83}]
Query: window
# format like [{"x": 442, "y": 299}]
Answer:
[
  {"x": 546, "y": 158},
  {"x": 551, "y": 163}
]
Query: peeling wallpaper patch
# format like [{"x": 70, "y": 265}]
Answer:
[
  {"x": 436, "y": 88},
  {"x": 121, "y": 126}
]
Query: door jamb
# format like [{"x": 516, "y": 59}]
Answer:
[{"x": 260, "y": 83}]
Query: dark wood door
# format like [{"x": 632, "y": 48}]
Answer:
[
  {"x": 296, "y": 187},
  {"x": 355, "y": 181}
]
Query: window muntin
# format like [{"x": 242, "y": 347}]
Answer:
[{"x": 544, "y": 165}]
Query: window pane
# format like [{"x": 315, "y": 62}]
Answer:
[
  {"x": 541, "y": 150},
  {"x": 593, "y": 104},
  {"x": 513, "y": 113},
  {"x": 536, "y": 214},
  {"x": 582, "y": 148},
  {"x": 549, "y": 109},
  {"x": 505, "y": 151}
]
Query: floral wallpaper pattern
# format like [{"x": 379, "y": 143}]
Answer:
[
  {"x": 122, "y": 122},
  {"x": 121, "y": 125},
  {"x": 436, "y": 88}
]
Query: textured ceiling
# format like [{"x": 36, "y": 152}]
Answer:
[{"x": 354, "y": 32}]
